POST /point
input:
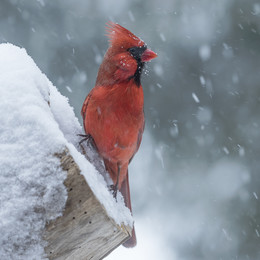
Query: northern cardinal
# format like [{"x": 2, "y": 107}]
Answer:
[{"x": 113, "y": 111}]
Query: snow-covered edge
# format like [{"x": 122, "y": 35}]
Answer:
[{"x": 43, "y": 100}]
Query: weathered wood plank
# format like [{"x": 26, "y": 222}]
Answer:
[{"x": 84, "y": 231}]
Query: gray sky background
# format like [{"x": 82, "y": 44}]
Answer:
[{"x": 195, "y": 181}]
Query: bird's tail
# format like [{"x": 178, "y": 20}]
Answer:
[{"x": 131, "y": 242}]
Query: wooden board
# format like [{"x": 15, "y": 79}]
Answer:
[{"x": 84, "y": 231}]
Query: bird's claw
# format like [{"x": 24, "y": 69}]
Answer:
[
  {"x": 89, "y": 139},
  {"x": 85, "y": 138},
  {"x": 113, "y": 189}
]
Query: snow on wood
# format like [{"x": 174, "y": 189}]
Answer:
[
  {"x": 36, "y": 125},
  {"x": 85, "y": 229}
]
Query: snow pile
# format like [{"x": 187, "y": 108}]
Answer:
[{"x": 36, "y": 121}]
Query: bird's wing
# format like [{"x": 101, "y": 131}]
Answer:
[
  {"x": 139, "y": 139},
  {"x": 85, "y": 105},
  {"x": 125, "y": 190}
]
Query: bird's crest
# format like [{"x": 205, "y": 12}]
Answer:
[{"x": 120, "y": 37}]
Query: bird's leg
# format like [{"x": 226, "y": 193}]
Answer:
[
  {"x": 117, "y": 179},
  {"x": 114, "y": 188}
]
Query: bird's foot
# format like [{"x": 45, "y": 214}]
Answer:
[
  {"x": 113, "y": 189},
  {"x": 89, "y": 139},
  {"x": 85, "y": 138}
]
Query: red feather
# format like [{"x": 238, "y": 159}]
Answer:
[{"x": 120, "y": 37}]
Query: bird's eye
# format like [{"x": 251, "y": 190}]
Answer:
[
  {"x": 134, "y": 51},
  {"x": 137, "y": 52}
]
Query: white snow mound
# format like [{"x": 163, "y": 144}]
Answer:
[{"x": 36, "y": 121}]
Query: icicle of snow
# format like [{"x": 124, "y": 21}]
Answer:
[
  {"x": 202, "y": 81},
  {"x": 241, "y": 26},
  {"x": 98, "y": 59},
  {"x": 225, "y": 150},
  {"x": 131, "y": 16},
  {"x": 205, "y": 52},
  {"x": 256, "y": 9},
  {"x": 69, "y": 89},
  {"x": 226, "y": 234},
  {"x": 174, "y": 130},
  {"x": 196, "y": 99},
  {"x": 241, "y": 151},
  {"x": 159, "y": 154},
  {"x": 68, "y": 37},
  {"x": 158, "y": 69},
  {"x": 41, "y": 2},
  {"x": 162, "y": 37},
  {"x": 204, "y": 115},
  {"x": 227, "y": 51},
  {"x": 158, "y": 85},
  {"x": 255, "y": 195}
]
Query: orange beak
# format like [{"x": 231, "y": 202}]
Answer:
[{"x": 148, "y": 55}]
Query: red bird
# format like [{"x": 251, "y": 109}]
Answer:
[{"x": 113, "y": 110}]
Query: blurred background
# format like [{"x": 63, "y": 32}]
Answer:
[{"x": 195, "y": 180}]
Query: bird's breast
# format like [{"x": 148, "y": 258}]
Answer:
[{"x": 114, "y": 119}]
